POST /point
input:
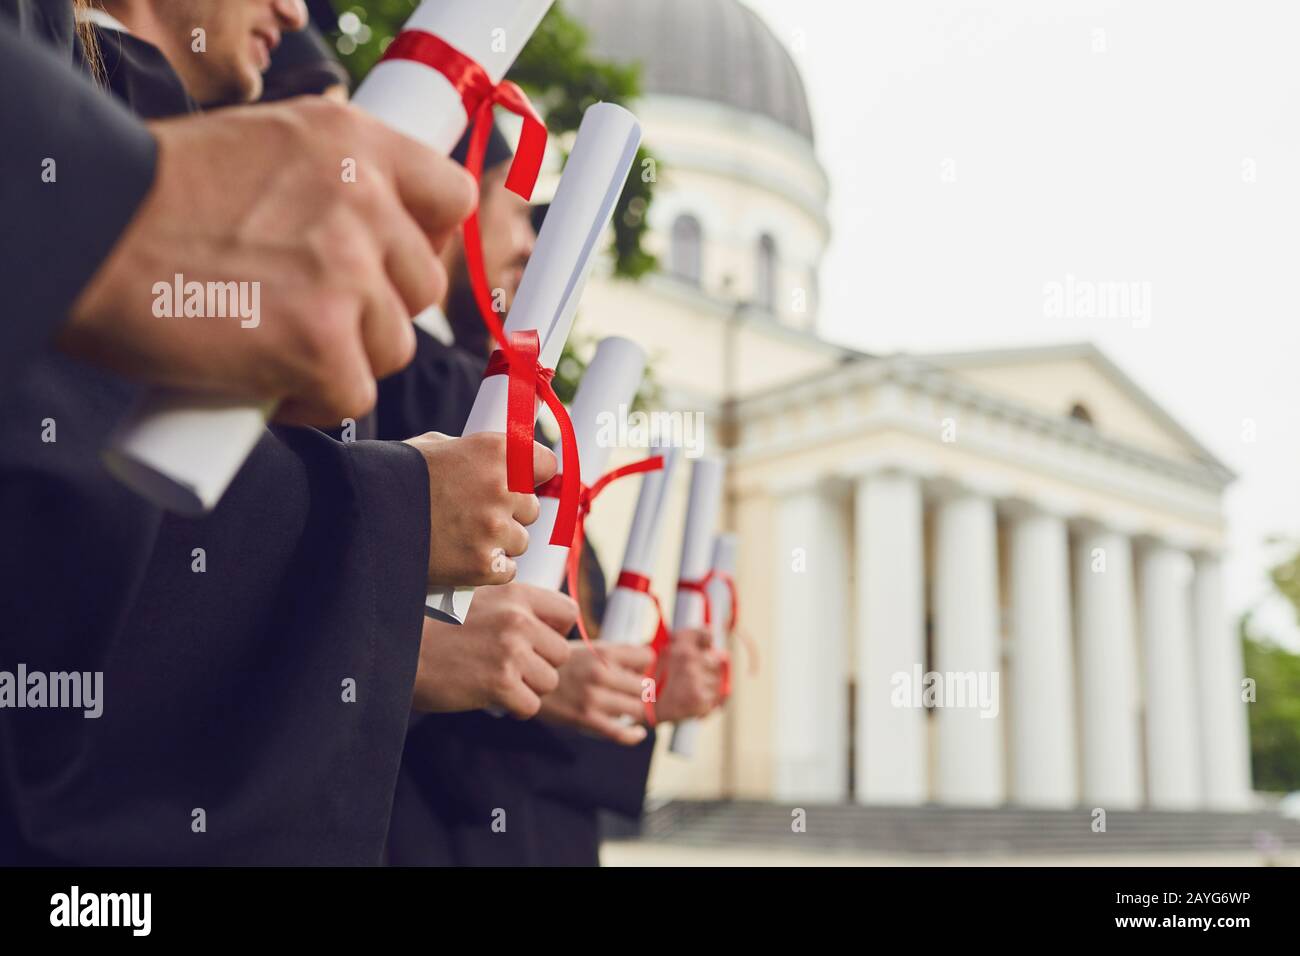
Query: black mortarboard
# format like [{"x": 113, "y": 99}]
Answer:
[{"x": 498, "y": 150}]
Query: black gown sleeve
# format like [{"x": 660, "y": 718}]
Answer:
[
  {"x": 57, "y": 233},
  {"x": 598, "y": 773},
  {"x": 433, "y": 394},
  {"x": 224, "y": 644},
  {"x": 592, "y": 772},
  {"x": 256, "y": 664},
  {"x": 300, "y": 647}
]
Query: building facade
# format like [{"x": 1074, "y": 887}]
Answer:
[{"x": 973, "y": 579}]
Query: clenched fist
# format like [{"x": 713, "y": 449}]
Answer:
[
  {"x": 478, "y": 523},
  {"x": 334, "y": 217},
  {"x": 599, "y": 697},
  {"x": 506, "y": 654},
  {"x": 691, "y": 677}
]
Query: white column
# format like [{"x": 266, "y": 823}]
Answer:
[
  {"x": 890, "y": 753},
  {"x": 970, "y": 759},
  {"x": 1225, "y": 740},
  {"x": 1111, "y": 723},
  {"x": 811, "y": 674},
  {"x": 1044, "y": 769},
  {"x": 1173, "y": 765}
]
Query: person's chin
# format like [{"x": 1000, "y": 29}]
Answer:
[
  {"x": 247, "y": 84},
  {"x": 253, "y": 88}
]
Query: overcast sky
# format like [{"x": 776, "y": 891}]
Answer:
[{"x": 1153, "y": 142}]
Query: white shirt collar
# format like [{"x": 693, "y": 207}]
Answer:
[{"x": 435, "y": 323}]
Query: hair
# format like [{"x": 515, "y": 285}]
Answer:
[{"x": 89, "y": 42}]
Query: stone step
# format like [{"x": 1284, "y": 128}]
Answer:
[{"x": 955, "y": 830}]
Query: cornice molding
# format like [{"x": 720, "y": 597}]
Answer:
[{"x": 916, "y": 378}]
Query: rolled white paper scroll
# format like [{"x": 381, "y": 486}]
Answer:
[
  {"x": 626, "y": 610},
  {"x": 182, "y": 449},
  {"x": 548, "y": 295},
  {"x": 610, "y": 382},
  {"x": 697, "y": 557},
  {"x": 724, "y": 560}
]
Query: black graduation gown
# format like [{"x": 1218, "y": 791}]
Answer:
[
  {"x": 254, "y": 709},
  {"x": 433, "y": 394},
  {"x": 139, "y": 75},
  {"x": 481, "y": 790},
  {"x": 302, "y": 65},
  {"x": 56, "y": 233}
]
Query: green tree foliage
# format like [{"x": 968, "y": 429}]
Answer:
[
  {"x": 561, "y": 77},
  {"x": 559, "y": 74},
  {"x": 1275, "y": 714}
]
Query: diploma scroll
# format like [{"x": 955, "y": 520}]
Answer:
[
  {"x": 626, "y": 610},
  {"x": 610, "y": 383},
  {"x": 697, "y": 556},
  {"x": 548, "y": 295},
  {"x": 723, "y": 567},
  {"x": 182, "y": 449},
  {"x": 724, "y": 562}
]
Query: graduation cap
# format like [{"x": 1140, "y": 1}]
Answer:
[
  {"x": 538, "y": 213},
  {"x": 323, "y": 15},
  {"x": 498, "y": 150}
]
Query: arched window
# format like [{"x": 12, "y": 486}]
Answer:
[
  {"x": 765, "y": 274},
  {"x": 685, "y": 254},
  {"x": 1079, "y": 412}
]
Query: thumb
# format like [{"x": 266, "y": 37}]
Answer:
[
  {"x": 629, "y": 735},
  {"x": 545, "y": 464},
  {"x": 633, "y": 657}
]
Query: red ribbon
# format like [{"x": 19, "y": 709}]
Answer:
[
  {"x": 517, "y": 356},
  {"x": 701, "y": 587},
  {"x": 557, "y": 487},
  {"x": 528, "y": 381},
  {"x": 478, "y": 94},
  {"x": 641, "y": 584}
]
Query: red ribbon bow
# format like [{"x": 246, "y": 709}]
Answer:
[
  {"x": 701, "y": 587},
  {"x": 557, "y": 487},
  {"x": 641, "y": 584},
  {"x": 517, "y": 355},
  {"x": 530, "y": 380},
  {"x": 478, "y": 94}
]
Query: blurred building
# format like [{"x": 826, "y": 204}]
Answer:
[{"x": 1026, "y": 516}]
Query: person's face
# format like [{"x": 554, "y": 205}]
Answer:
[
  {"x": 237, "y": 40},
  {"x": 507, "y": 227}
]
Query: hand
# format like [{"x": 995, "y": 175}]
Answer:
[
  {"x": 478, "y": 523},
  {"x": 594, "y": 696},
  {"x": 693, "y": 682},
  {"x": 505, "y": 655},
  {"x": 259, "y": 195}
]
